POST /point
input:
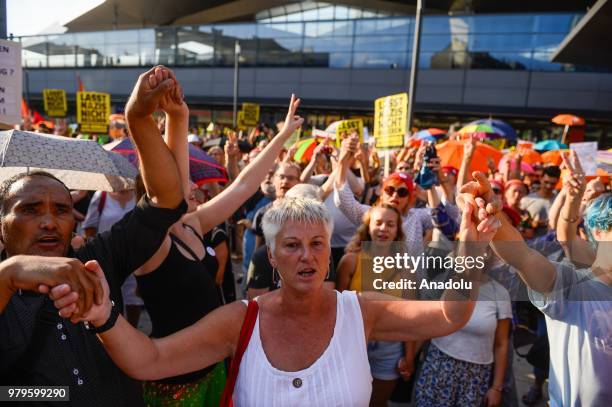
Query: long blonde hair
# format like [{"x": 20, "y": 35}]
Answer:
[{"x": 363, "y": 231}]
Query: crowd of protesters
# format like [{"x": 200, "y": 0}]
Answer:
[{"x": 311, "y": 330}]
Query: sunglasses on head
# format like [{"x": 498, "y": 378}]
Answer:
[{"x": 401, "y": 192}]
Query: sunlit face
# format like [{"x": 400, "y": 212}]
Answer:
[
  {"x": 38, "y": 218},
  {"x": 548, "y": 183},
  {"x": 285, "y": 178},
  {"x": 217, "y": 154},
  {"x": 513, "y": 194},
  {"x": 301, "y": 255},
  {"x": 404, "y": 167},
  {"x": 383, "y": 225},
  {"x": 396, "y": 195}
]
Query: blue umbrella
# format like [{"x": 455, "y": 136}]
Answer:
[
  {"x": 501, "y": 127},
  {"x": 547, "y": 145},
  {"x": 425, "y": 136}
]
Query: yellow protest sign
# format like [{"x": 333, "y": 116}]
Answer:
[
  {"x": 93, "y": 111},
  {"x": 390, "y": 116},
  {"x": 240, "y": 120},
  {"x": 55, "y": 102},
  {"x": 250, "y": 114},
  {"x": 346, "y": 127}
]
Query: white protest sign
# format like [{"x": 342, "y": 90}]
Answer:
[
  {"x": 10, "y": 82},
  {"x": 587, "y": 154}
]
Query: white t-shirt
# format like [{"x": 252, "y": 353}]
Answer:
[
  {"x": 111, "y": 213},
  {"x": 579, "y": 321},
  {"x": 474, "y": 342}
]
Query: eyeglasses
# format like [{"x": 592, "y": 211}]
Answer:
[{"x": 401, "y": 192}]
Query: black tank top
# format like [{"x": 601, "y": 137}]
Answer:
[{"x": 179, "y": 293}]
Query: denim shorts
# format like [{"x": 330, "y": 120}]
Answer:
[{"x": 383, "y": 357}]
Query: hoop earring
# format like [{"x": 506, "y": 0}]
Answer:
[{"x": 275, "y": 277}]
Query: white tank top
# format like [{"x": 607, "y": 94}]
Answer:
[{"x": 340, "y": 377}]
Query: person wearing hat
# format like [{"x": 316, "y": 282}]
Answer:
[{"x": 194, "y": 139}]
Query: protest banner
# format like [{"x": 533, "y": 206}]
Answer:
[
  {"x": 587, "y": 154},
  {"x": 93, "y": 111},
  {"x": 240, "y": 124},
  {"x": 390, "y": 116},
  {"x": 250, "y": 114},
  {"x": 345, "y": 127},
  {"x": 55, "y": 102},
  {"x": 10, "y": 82}
]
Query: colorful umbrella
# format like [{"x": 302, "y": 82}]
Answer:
[
  {"x": 203, "y": 169},
  {"x": 479, "y": 131},
  {"x": 530, "y": 156},
  {"x": 305, "y": 150},
  {"x": 552, "y": 157},
  {"x": 500, "y": 127},
  {"x": 547, "y": 145},
  {"x": 451, "y": 153},
  {"x": 430, "y": 134},
  {"x": 567, "y": 120}
]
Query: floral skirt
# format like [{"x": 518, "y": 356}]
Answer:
[
  {"x": 205, "y": 392},
  {"x": 446, "y": 381}
]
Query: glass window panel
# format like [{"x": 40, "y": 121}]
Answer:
[
  {"x": 122, "y": 54},
  {"x": 326, "y": 13},
  {"x": 555, "y": 23},
  {"x": 499, "y": 60},
  {"x": 365, "y": 27},
  {"x": 279, "y": 30},
  {"x": 279, "y": 58},
  {"x": 121, "y": 36},
  {"x": 547, "y": 42},
  {"x": 502, "y": 23},
  {"x": 355, "y": 13},
  {"x": 500, "y": 42},
  {"x": 381, "y": 44},
  {"x": 380, "y": 60},
  {"x": 343, "y": 28},
  {"x": 310, "y": 15},
  {"x": 342, "y": 13},
  {"x": 437, "y": 24},
  {"x": 446, "y": 59},
  {"x": 437, "y": 42},
  {"x": 236, "y": 30},
  {"x": 541, "y": 62},
  {"x": 340, "y": 60},
  {"x": 338, "y": 44}
]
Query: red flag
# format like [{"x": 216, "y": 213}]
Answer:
[
  {"x": 25, "y": 111},
  {"x": 80, "y": 86},
  {"x": 37, "y": 118}
]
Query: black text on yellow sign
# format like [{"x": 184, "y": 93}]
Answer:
[
  {"x": 390, "y": 116},
  {"x": 250, "y": 114},
  {"x": 346, "y": 127},
  {"x": 93, "y": 111},
  {"x": 55, "y": 102}
]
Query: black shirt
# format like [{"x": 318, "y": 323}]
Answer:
[{"x": 39, "y": 348}]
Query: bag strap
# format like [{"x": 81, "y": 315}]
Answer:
[
  {"x": 102, "y": 202},
  {"x": 243, "y": 341}
]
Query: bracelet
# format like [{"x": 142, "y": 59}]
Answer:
[
  {"x": 573, "y": 220},
  {"x": 496, "y": 388},
  {"x": 110, "y": 322}
]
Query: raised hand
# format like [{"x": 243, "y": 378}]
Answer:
[
  {"x": 469, "y": 147},
  {"x": 479, "y": 187},
  {"x": 574, "y": 182},
  {"x": 36, "y": 273},
  {"x": 65, "y": 300},
  {"x": 148, "y": 92},
  {"x": 292, "y": 121},
  {"x": 484, "y": 230}
]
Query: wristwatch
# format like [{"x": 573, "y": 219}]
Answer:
[{"x": 110, "y": 322}]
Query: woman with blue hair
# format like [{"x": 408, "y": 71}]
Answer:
[{"x": 575, "y": 296}]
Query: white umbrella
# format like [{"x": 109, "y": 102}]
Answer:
[{"x": 80, "y": 164}]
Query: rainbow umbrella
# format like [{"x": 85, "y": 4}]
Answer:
[
  {"x": 480, "y": 131},
  {"x": 431, "y": 134},
  {"x": 305, "y": 150},
  {"x": 500, "y": 127}
]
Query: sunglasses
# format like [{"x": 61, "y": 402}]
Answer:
[{"x": 401, "y": 192}]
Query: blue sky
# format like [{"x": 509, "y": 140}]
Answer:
[{"x": 29, "y": 17}]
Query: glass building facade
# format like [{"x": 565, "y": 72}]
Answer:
[{"x": 501, "y": 41}]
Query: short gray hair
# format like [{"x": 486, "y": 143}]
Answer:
[
  {"x": 303, "y": 210},
  {"x": 308, "y": 191}
]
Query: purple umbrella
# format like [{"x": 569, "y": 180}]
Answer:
[{"x": 203, "y": 169}]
